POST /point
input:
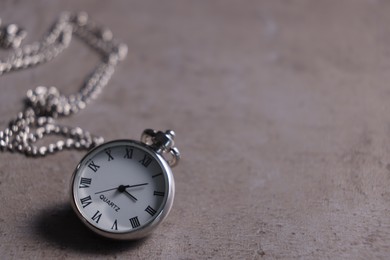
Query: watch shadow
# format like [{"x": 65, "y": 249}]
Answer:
[{"x": 60, "y": 225}]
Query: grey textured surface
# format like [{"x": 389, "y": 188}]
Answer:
[{"x": 281, "y": 110}]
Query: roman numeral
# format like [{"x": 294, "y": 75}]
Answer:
[
  {"x": 115, "y": 225},
  {"x": 93, "y": 166},
  {"x": 146, "y": 161},
  {"x": 129, "y": 153},
  {"x": 97, "y": 216},
  {"x": 86, "y": 201},
  {"x": 85, "y": 182},
  {"x": 150, "y": 210},
  {"x": 158, "y": 174},
  {"x": 159, "y": 193},
  {"x": 134, "y": 222},
  {"x": 108, "y": 152}
]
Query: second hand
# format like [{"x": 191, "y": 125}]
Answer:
[{"x": 122, "y": 187}]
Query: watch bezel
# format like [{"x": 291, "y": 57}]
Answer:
[{"x": 145, "y": 229}]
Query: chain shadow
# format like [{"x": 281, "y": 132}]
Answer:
[{"x": 59, "y": 225}]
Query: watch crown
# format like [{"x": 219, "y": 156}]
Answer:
[{"x": 162, "y": 143}]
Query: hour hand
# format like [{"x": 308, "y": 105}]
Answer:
[
  {"x": 131, "y": 196},
  {"x": 122, "y": 188}
]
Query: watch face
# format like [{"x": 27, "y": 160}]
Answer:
[{"x": 122, "y": 189}]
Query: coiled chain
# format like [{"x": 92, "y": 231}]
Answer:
[{"x": 44, "y": 104}]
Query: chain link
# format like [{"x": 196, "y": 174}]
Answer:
[{"x": 45, "y": 104}]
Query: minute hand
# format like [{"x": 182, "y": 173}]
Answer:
[{"x": 136, "y": 185}]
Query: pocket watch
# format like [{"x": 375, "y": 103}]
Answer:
[
  {"x": 121, "y": 189},
  {"x": 124, "y": 189}
]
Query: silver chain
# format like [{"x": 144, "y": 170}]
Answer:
[{"x": 45, "y": 104}]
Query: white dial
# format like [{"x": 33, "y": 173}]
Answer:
[{"x": 122, "y": 189}]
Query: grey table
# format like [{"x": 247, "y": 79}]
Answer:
[{"x": 281, "y": 110}]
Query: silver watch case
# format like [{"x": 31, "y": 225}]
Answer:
[{"x": 146, "y": 229}]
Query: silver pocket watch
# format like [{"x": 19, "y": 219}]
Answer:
[
  {"x": 121, "y": 189},
  {"x": 124, "y": 189}
]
